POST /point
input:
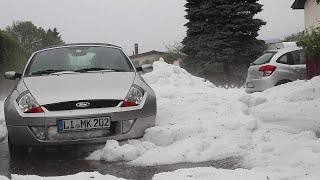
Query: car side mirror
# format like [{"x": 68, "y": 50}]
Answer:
[
  {"x": 139, "y": 69},
  {"x": 12, "y": 75}
]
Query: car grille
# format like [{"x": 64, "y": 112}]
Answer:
[{"x": 72, "y": 105}]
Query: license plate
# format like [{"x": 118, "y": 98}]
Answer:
[
  {"x": 250, "y": 85},
  {"x": 83, "y": 124}
]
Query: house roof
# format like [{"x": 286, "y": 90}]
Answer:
[
  {"x": 147, "y": 54},
  {"x": 298, "y": 4}
]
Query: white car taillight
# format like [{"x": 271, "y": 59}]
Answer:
[
  {"x": 134, "y": 97},
  {"x": 28, "y": 104},
  {"x": 267, "y": 70}
]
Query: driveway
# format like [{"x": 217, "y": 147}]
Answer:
[{"x": 69, "y": 160}]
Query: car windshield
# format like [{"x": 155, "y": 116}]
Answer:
[
  {"x": 78, "y": 59},
  {"x": 265, "y": 58}
]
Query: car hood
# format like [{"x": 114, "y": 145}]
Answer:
[{"x": 85, "y": 86}]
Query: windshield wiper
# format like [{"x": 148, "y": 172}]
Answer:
[
  {"x": 99, "y": 69},
  {"x": 90, "y": 69},
  {"x": 46, "y": 72},
  {"x": 118, "y": 70},
  {"x": 64, "y": 72}
]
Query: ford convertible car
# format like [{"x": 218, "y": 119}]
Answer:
[{"x": 75, "y": 94}]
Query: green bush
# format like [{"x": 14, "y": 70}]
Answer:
[
  {"x": 12, "y": 55},
  {"x": 310, "y": 41}
]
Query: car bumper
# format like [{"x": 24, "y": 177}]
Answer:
[
  {"x": 21, "y": 125},
  {"x": 259, "y": 85},
  {"x": 24, "y": 136}
]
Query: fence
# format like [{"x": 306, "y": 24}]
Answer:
[{"x": 233, "y": 81}]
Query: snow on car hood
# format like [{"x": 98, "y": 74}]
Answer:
[{"x": 70, "y": 87}]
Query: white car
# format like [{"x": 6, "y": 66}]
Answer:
[
  {"x": 276, "y": 67},
  {"x": 76, "y": 94}
]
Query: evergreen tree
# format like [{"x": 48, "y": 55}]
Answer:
[
  {"x": 55, "y": 32},
  {"x": 51, "y": 38},
  {"x": 223, "y": 31}
]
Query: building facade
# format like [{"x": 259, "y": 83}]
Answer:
[{"x": 311, "y": 12}]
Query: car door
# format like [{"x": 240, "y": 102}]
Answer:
[
  {"x": 298, "y": 68},
  {"x": 284, "y": 71}
]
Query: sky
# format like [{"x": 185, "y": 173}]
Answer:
[{"x": 151, "y": 23}]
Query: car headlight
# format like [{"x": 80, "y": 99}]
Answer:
[
  {"x": 28, "y": 104},
  {"x": 134, "y": 97}
]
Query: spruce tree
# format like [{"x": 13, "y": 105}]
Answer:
[{"x": 223, "y": 31}]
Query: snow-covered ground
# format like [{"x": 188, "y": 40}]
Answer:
[
  {"x": 183, "y": 174},
  {"x": 215, "y": 174},
  {"x": 80, "y": 176},
  {"x": 274, "y": 132},
  {"x": 196, "y": 122},
  {"x": 3, "y": 130},
  {"x": 286, "y": 141}
]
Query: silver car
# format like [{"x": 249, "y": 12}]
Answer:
[
  {"x": 78, "y": 93},
  {"x": 276, "y": 67}
]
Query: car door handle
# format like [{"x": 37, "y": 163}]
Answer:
[{"x": 297, "y": 68}]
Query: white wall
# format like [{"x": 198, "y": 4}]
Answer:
[{"x": 311, "y": 14}]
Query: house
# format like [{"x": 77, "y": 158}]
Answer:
[
  {"x": 311, "y": 12},
  {"x": 147, "y": 57},
  {"x": 152, "y": 56}
]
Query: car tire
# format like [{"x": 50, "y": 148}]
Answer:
[{"x": 282, "y": 82}]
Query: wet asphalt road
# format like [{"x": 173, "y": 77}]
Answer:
[{"x": 69, "y": 160}]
